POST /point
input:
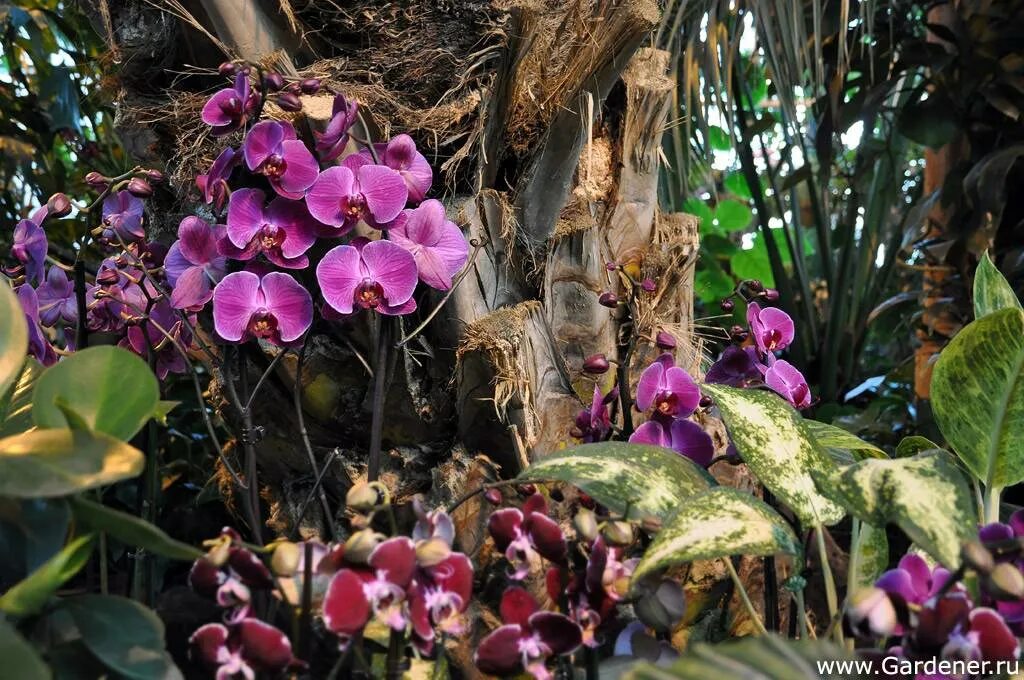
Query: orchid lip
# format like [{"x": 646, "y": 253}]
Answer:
[
  {"x": 263, "y": 324},
  {"x": 274, "y": 166},
  {"x": 369, "y": 294}
]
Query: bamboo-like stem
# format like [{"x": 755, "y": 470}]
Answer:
[
  {"x": 830, "y": 583},
  {"x": 744, "y": 597}
]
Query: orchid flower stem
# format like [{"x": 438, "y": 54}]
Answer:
[
  {"x": 801, "y": 612},
  {"x": 263, "y": 377},
  {"x": 312, "y": 494},
  {"x": 992, "y": 494},
  {"x": 771, "y": 584},
  {"x": 306, "y": 610},
  {"x": 396, "y": 653},
  {"x": 251, "y": 488},
  {"x": 379, "y": 390},
  {"x": 366, "y": 141},
  {"x": 304, "y": 433},
  {"x": 250, "y": 448},
  {"x": 830, "y": 583},
  {"x": 104, "y": 580},
  {"x": 592, "y": 660},
  {"x": 744, "y": 597},
  {"x": 82, "y": 329}
]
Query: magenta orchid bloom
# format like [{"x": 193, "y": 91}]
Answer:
[
  {"x": 528, "y": 637},
  {"x": 194, "y": 264},
  {"x": 736, "y": 367},
  {"x": 38, "y": 344},
  {"x": 331, "y": 142},
  {"x": 122, "y": 218},
  {"x": 771, "y": 328},
  {"x": 668, "y": 388},
  {"x": 244, "y": 649},
  {"x": 593, "y": 423},
  {"x": 1011, "y": 610},
  {"x": 214, "y": 184},
  {"x": 56, "y": 297},
  {"x": 30, "y": 245},
  {"x": 437, "y": 245},
  {"x": 685, "y": 437},
  {"x": 272, "y": 149},
  {"x": 400, "y": 155},
  {"x": 357, "y": 594},
  {"x": 785, "y": 379},
  {"x": 282, "y": 231},
  {"x": 275, "y": 308},
  {"x": 378, "y": 275},
  {"x": 340, "y": 197},
  {"x": 228, "y": 109},
  {"x": 169, "y": 351},
  {"x": 527, "y": 535}
]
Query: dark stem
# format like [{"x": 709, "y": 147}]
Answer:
[
  {"x": 251, "y": 489},
  {"x": 590, "y": 655},
  {"x": 624, "y": 397},
  {"x": 379, "y": 389},
  {"x": 300, "y": 416},
  {"x": 396, "y": 655},
  {"x": 248, "y": 437},
  {"x": 771, "y": 583},
  {"x": 306, "y": 613},
  {"x": 82, "y": 331}
]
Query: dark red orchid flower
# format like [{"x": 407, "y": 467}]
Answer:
[{"x": 245, "y": 648}]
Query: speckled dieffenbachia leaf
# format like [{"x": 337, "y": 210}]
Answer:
[
  {"x": 992, "y": 292},
  {"x": 844, "y": 447},
  {"x": 869, "y": 557},
  {"x": 776, "y": 445},
  {"x": 927, "y": 496},
  {"x": 650, "y": 480},
  {"x": 977, "y": 395},
  {"x": 718, "y": 523}
]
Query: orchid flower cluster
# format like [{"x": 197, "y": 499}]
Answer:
[{"x": 927, "y": 612}]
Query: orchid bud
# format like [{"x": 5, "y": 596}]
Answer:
[
  {"x": 617, "y": 532},
  {"x": 289, "y": 101},
  {"x": 1005, "y": 582},
  {"x": 97, "y": 181},
  {"x": 770, "y": 294},
  {"x": 586, "y": 501},
  {"x": 286, "y": 558},
  {"x": 663, "y": 607},
  {"x": 977, "y": 557},
  {"x": 727, "y": 305},
  {"x": 139, "y": 187},
  {"x": 274, "y": 81},
  {"x": 649, "y": 285},
  {"x": 871, "y": 613},
  {"x": 755, "y": 286},
  {"x": 363, "y": 497},
  {"x": 154, "y": 176},
  {"x": 738, "y": 333},
  {"x": 294, "y": 88},
  {"x": 611, "y": 266},
  {"x": 310, "y": 86},
  {"x": 706, "y": 402},
  {"x": 596, "y": 364},
  {"x": 227, "y": 69},
  {"x": 107, "y": 277},
  {"x": 59, "y": 205},
  {"x": 431, "y": 552},
  {"x": 493, "y": 496},
  {"x": 732, "y": 455},
  {"x": 527, "y": 489},
  {"x": 585, "y": 522},
  {"x": 360, "y": 544},
  {"x": 608, "y": 299},
  {"x": 665, "y": 341}
]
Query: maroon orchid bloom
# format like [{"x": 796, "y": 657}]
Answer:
[
  {"x": 230, "y": 572},
  {"x": 400, "y": 155},
  {"x": 377, "y": 275},
  {"x": 528, "y": 638},
  {"x": 438, "y": 597},
  {"x": 275, "y": 308},
  {"x": 214, "y": 184},
  {"x": 341, "y": 197},
  {"x": 786, "y": 379},
  {"x": 272, "y": 149},
  {"x": 166, "y": 335},
  {"x": 194, "y": 264},
  {"x": 668, "y": 388},
  {"x": 57, "y": 303},
  {"x": 38, "y": 344},
  {"x": 437, "y": 245},
  {"x": 229, "y": 109},
  {"x": 685, "y": 437},
  {"x": 246, "y": 648},
  {"x": 527, "y": 535},
  {"x": 771, "y": 328},
  {"x": 282, "y": 231},
  {"x": 331, "y": 142}
]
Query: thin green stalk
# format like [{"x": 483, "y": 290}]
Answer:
[
  {"x": 992, "y": 494},
  {"x": 854, "y": 565},
  {"x": 801, "y": 608},
  {"x": 830, "y": 583},
  {"x": 744, "y": 597}
]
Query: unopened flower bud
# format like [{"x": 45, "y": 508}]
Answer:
[
  {"x": 274, "y": 81},
  {"x": 154, "y": 176},
  {"x": 310, "y": 86},
  {"x": 706, "y": 401},
  {"x": 732, "y": 455},
  {"x": 360, "y": 544},
  {"x": 227, "y": 69},
  {"x": 977, "y": 557},
  {"x": 596, "y": 364},
  {"x": 139, "y": 187},
  {"x": 431, "y": 552},
  {"x": 611, "y": 266},
  {"x": 586, "y": 501},
  {"x": 663, "y": 607},
  {"x": 665, "y": 341},
  {"x": 363, "y": 497},
  {"x": 871, "y": 613},
  {"x": 289, "y": 101},
  {"x": 59, "y": 205},
  {"x": 1005, "y": 582},
  {"x": 770, "y": 294},
  {"x": 294, "y": 88},
  {"x": 286, "y": 558},
  {"x": 649, "y": 285},
  {"x": 107, "y": 277},
  {"x": 618, "y": 532},
  {"x": 738, "y": 333},
  {"x": 527, "y": 489},
  {"x": 585, "y": 522},
  {"x": 755, "y": 286},
  {"x": 493, "y": 496},
  {"x": 609, "y": 299},
  {"x": 96, "y": 181},
  {"x": 727, "y": 305}
]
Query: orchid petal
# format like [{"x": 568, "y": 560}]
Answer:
[
  {"x": 290, "y": 303},
  {"x": 235, "y": 299},
  {"x": 339, "y": 275}
]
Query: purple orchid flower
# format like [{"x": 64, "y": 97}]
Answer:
[
  {"x": 194, "y": 264},
  {"x": 527, "y": 535},
  {"x": 356, "y": 595},
  {"x": 378, "y": 275},
  {"x": 668, "y": 388},
  {"x": 152, "y": 335},
  {"x": 272, "y": 149},
  {"x": 57, "y": 300},
  {"x": 228, "y": 109},
  {"x": 246, "y": 648},
  {"x": 282, "y": 231},
  {"x": 913, "y": 582},
  {"x": 214, "y": 184},
  {"x": 437, "y": 245},
  {"x": 230, "y": 572},
  {"x": 736, "y": 367},
  {"x": 785, "y": 379},
  {"x": 682, "y": 436},
  {"x": 593, "y": 423},
  {"x": 331, "y": 142},
  {"x": 996, "y": 532},
  {"x": 38, "y": 344},
  {"x": 275, "y": 308},
  {"x": 30, "y": 245},
  {"x": 340, "y": 197},
  {"x": 771, "y": 327},
  {"x": 122, "y": 218},
  {"x": 528, "y": 637},
  {"x": 400, "y": 155}
]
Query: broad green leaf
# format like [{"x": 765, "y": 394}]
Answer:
[
  {"x": 776, "y": 445},
  {"x": 732, "y": 215},
  {"x": 978, "y": 396},
  {"x": 21, "y": 660},
  {"x": 16, "y": 412},
  {"x": 127, "y": 637},
  {"x": 927, "y": 496},
  {"x": 649, "y": 480},
  {"x": 47, "y": 463},
  {"x": 870, "y": 556},
  {"x": 931, "y": 122},
  {"x": 718, "y": 138},
  {"x": 913, "y": 445},
  {"x": 737, "y": 185},
  {"x": 844, "y": 447},
  {"x": 711, "y": 283},
  {"x": 992, "y": 291},
  {"x": 718, "y": 523},
  {"x": 111, "y": 388},
  {"x": 163, "y": 409},
  {"x": 30, "y": 594},
  {"x": 695, "y": 206},
  {"x": 13, "y": 338},
  {"x": 35, "y": 530},
  {"x": 131, "y": 530}
]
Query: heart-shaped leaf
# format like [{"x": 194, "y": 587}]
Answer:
[
  {"x": 21, "y": 660},
  {"x": 649, "y": 480},
  {"x": 113, "y": 390},
  {"x": 47, "y": 463},
  {"x": 718, "y": 523},
  {"x": 776, "y": 445},
  {"x": 992, "y": 291},
  {"x": 977, "y": 395},
  {"x": 13, "y": 338},
  {"x": 131, "y": 530},
  {"x": 927, "y": 496},
  {"x": 844, "y": 447},
  {"x": 30, "y": 594}
]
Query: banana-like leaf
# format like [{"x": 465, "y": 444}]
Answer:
[
  {"x": 649, "y": 480},
  {"x": 131, "y": 530},
  {"x": 977, "y": 395},
  {"x": 992, "y": 291},
  {"x": 30, "y": 594},
  {"x": 718, "y": 523},
  {"x": 13, "y": 338},
  {"x": 779, "y": 448}
]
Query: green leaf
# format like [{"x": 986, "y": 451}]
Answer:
[
  {"x": 718, "y": 138},
  {"x": 978, "y": 397},
  {"x": 16, "y": 411},
  {"x": 737, "y": 185},
  {"x": 753, "y": 262},
  {"x": 30, "y": 594},
  {"x": 927, "y": 496},
  {"x": 13, "y": 338},
  {"x": 131, "y": 530},
  {"x": 870, "y": 555},
  {"x": 47, "y": 463},
  {"x": 111, "y": 388},
  {"x": 931, "y": 122},
  {"x": 913, "y": 445},
  {"x": 695, "y": 206},
  {"x": 844, "y": 447},
  {"x": 732, "y": 215},
  {"x": 38, "y": 530},
  {"x": 711, "y": 283},
  {"x": 649, "y": 479},
  {"x": 127, "y": 637},
  {"x": 163, "y": 409},
  {"x": 21, "y": 660},
  {"x": 718, "y": 523},
  {"x": 776, "y": 445},
  {"x": 992, "y": 291}
]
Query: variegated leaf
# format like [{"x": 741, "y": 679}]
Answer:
[
  {"x": 718, "y": 523},
  {"x": 777, "y": 446},
  {"x": 844, "y": 447},
  {"x": 927, "y": 496},
  {"x": 869, "y": 556},
  {"x": 977, "y": 395},
  {"x": 13, "y": 338},
  {"x": 992, "y": 292},
  {"x": 650, "y": 480},
  {"x": 913, "y": 445}
]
